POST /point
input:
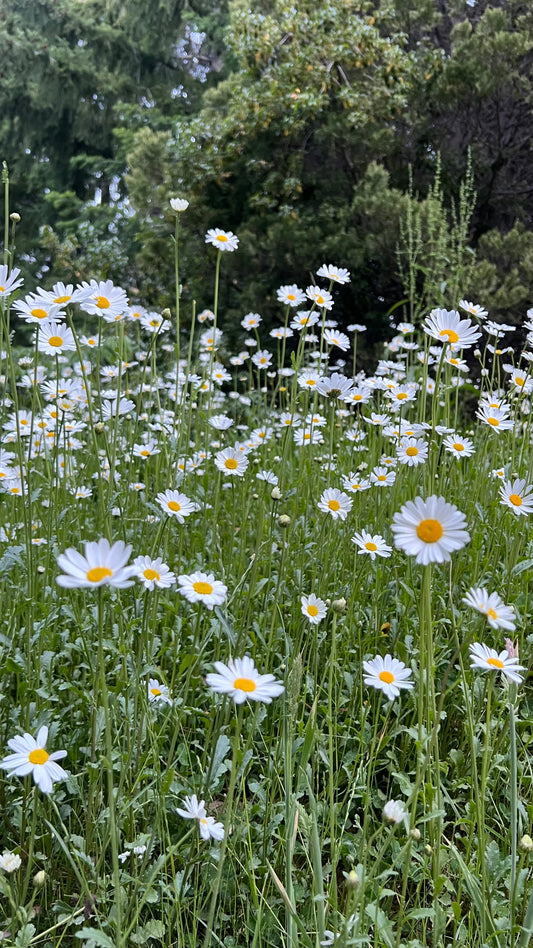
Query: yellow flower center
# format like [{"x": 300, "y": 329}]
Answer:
[
  {"x": 492, "y": 613},
  {"x": 146, "y": 454},
  {"x": 357, "y": 398},
  {"x": 519, "y": 381},
  {"x": 312, "y": 610},
  {"x": 412, "y": 452},
  {"x": 62, "y": 299},
  {"x": 320, "y": 300},
  {"x": 386, "y": 676},
  {"x": 222, "y": 237},
  {"x": 334, "y": 505},
  {"x": 458, "y": 446},
  {"x": 155, "y": 691},
  {"x": 515, "y": 499},
  {"x": 173, "y": 505},
  {"x": 102, "y": 302},
  {"x": 493, "y": 421},
  {"x": 203, "y": 589},
  {"x": 496, "y": 662},
  {"x": 381, "y": 477},
  {"x": 371, "y": 546},
  {"x": 449, "y": 334},
  {"x": 429, "y": 531},
  {"x": 55, "y": 341},
  {"x": 231, "y": 464},
  {"x": 151, "y": 574},
  {"x": 290, "y": 296},
  {"x": 39, "y": 313},
  {"x": 154, "y": 322},
  {"x": 38, "y": 756},
  {"x": 244, "y": 684},
  {"x": 97, "y": 573},
  {"x": 2, "y": 289},
  {"x": 401, "y": 395}
]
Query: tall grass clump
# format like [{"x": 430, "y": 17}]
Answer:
[{"x": 265, "y": 622}]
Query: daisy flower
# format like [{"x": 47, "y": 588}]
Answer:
[
  {"x": 497, "y": 418},
  {"x": 202, "y": 587},
  {"x": 459, "y": 447},
  {"x": 231, "y": 461},
  {"x": 30, "y": 757},
  {"x": 222, "y": 239},
  {"x": 291, "y": 295},
  {"x": 499, "y": 615},
  {"x": 374, "y": 545},
  {"x": 430, "y": 529},
  {"x": 179, "y": 205},
  {"x": 251, "y": 321},
  {"x": 313, "y": 608},
  {"x": 382, "y": 477},
  {"x": 53, "y": 338},
  {"x": 488, "y": 659},
  {"x": 191, "y": 809},
  {"x": 320, "y": 297},
  {"x": 338, "y": 339},
  {"x": 354, "y": 483},
  {"x": 304, "y": 319},
  {"x": 336, "y": 503},
  {"x": 104, "y": 299},
  {"x": 412, "y": 451},
  {"x": 176, "y": 504},
  {"x": 394, "y": 812},
  {"x": 153, "y": 573},
  {"x": 10, "y": 862},
  {"x": 334, "y": 386},
  {"x": 447, "y": 327},
  {"x": 387, "y": 675},
  {"x": 9, "y": 281},
  {"x": 241, "y": 680},
  {"x": 158, "y": 693},
  {"x": 337, "y": 274},
  {"x": 517, "y": 496},
  {"x": 101, "y": 565}
]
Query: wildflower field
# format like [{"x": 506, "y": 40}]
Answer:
[{"x": 265, "y": 622}]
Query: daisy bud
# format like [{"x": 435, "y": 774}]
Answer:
[
  {"x": 512, "y": 650},
  {"x": 275, "y": 493},
  {"x": 166, "y": 314},
  {"x": 352, "y": 880},
  {"x": 477, "y": 353},
  {"x": 484, "y": 372},
  {"x": 284, "y": 520},
  {"x": 415, "y": 834},
  {"x": 339, "y": 605},
  {"x": 428, "y": 850},
  {"x": 99, "y": 427},
  {"x": 526, "y": 844},
  {"x": 15, "y": 217},
  {"x": 39, "y": 879}
]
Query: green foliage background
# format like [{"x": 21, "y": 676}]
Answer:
[{"x": 316, "y": 132}]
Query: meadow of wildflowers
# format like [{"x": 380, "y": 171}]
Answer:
[{"x": 265, "y": 628}]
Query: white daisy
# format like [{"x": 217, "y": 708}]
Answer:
[
  {"x": 517, "y": 496},
  {"x": 241, "y": 680},
  {"x": 336, "y": 503},
  {"x": 222, "y": 239},
  {"x": 202, "y": 587},
  {"x": 231, "y": 461},
  {"x": 488, "y": 659},
  {"x": 193, "y": 809},
  {"x": 153, "y": 573},
  {"x": 373, "y": 544},
  {"x": 176, "y": 504},
  {"x": 429, "y": 529},
  {"x": 30, "y": 757},
  {"x": 387, "y": 675},
  {"x": 499, "y": 616},
  {"x": 313, "y": 608},
  {"x": 102, "y": 564},
  {"x": 158, "y": 693}
]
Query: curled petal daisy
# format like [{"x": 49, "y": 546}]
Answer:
[
  {"x": 499, "y": 616},
  {"x": 488, "y": 659},
  {"x": 241, "y": 681}
]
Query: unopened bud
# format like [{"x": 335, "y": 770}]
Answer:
[
  {"x": 14, "y": 217},
  {"x": 428, "y": 850},
  {"x": 99, "y": 427},
  {"x": 339, "y": 605},
  {"x": 526, "y": 844},
  {"x": 284, "y": 520},
  {"x": 39, "y": 878},
  {"x": 415, "y": 833},
  {"x": 166, "y": 314},
  {"x": 275, "y": 493},
  {"x": 352, "y": 879}
]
